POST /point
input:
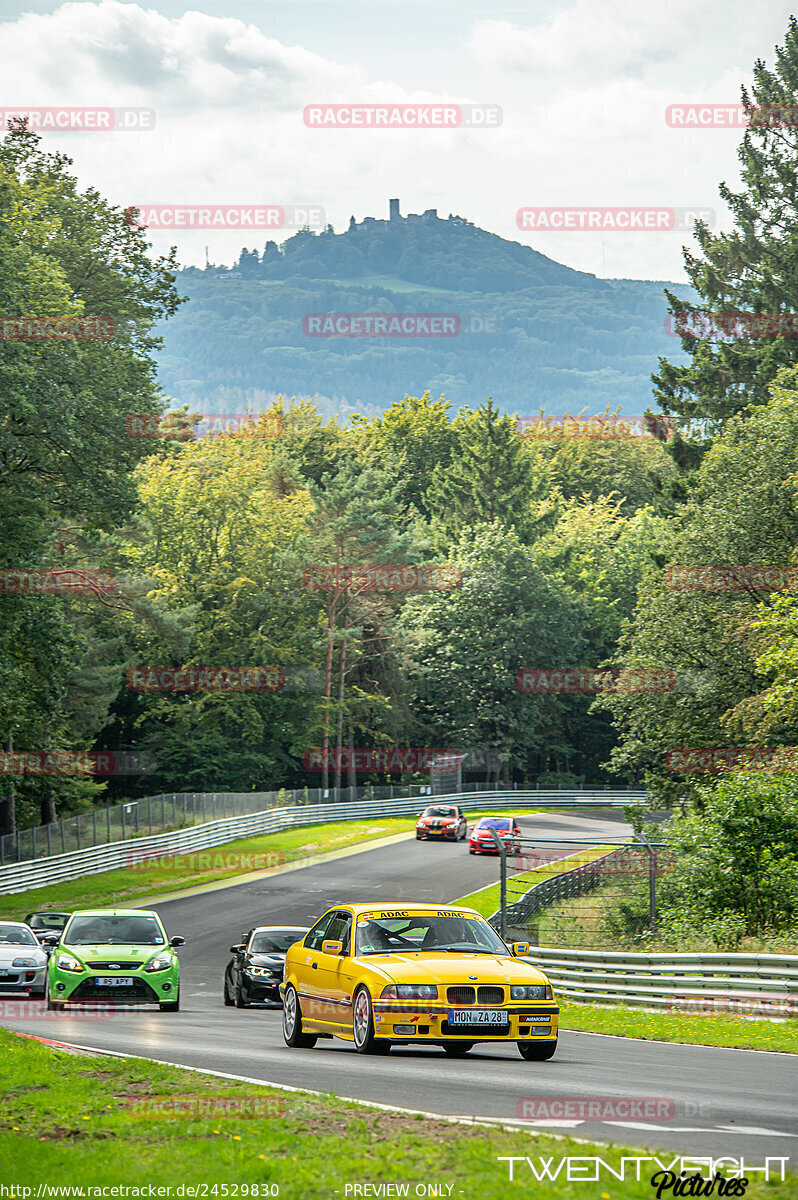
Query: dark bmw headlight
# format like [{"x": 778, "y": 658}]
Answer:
[
  {"x": 531, "y": 991},
  {"x": 259, "y": 972}
]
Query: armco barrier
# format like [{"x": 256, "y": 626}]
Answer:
[
  {"x": 18, "y": 877},
  {"x": 758, "y": 984}
]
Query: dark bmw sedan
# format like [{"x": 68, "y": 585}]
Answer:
[{"x": 255, "y": 971}]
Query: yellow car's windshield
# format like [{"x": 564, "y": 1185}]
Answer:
[{"x": 440, "y": 934}]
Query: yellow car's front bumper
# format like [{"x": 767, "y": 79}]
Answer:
[{"x": 397, "y": 1022}]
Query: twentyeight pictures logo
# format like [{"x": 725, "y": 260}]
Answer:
[{"x": 79, "y": 120}]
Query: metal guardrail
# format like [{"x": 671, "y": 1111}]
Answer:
[
  {"x": 18, "y": 877},
  {"x": 749, "y": 984},
  {"x": 177, "y": 810}
]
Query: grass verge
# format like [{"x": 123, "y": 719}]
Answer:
[
  {"x": 711, "y": 1029},
  {"x": 172, "y": 872},
  {"x": 487, "y": 900},
  {"x": 98, "y": 1121}
]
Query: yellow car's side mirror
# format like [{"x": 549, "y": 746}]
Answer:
[
  {"x": 332, "y": 947},
  {"x": 520, "y": 948}
]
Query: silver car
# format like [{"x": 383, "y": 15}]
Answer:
[{"x": 23, "y": 962}]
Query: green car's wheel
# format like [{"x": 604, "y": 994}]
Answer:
[
  {"x": 292, "y": 1022},
  {"x": 537, "y": 1051},
  {"x": 171, "y": 1005},
  {"x": 457, "y": 1049},
  {"x": 54, "y": 1005},
  {"x": 363, "y": 1026}
]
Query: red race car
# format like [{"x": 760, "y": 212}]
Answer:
[
  {"x": 443, "y": 823},
  {"x": 481, "y": 840}
]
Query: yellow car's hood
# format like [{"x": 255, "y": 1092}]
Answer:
[{"x": 428, "y": 967}]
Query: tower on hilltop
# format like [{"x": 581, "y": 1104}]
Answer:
[{"x": 393, "y": 209}]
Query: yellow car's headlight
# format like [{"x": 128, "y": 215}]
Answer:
[
  {"x": 533, "y": 991},
  {"x": 410, "y": 991}
]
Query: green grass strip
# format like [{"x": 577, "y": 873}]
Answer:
[
  {"x": 711, "y": 1029},
  {"x": 487, "y": 900},
  {"x": 80, "y": 1121},
  {"x": 173, "y": 872}
]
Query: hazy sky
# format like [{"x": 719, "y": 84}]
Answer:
[{"x": 583, "y": 86}]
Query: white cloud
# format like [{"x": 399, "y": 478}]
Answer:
[{"x": 229, "y": 127}]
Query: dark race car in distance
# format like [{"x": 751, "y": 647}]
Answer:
[
  {"x": 255, "y": 971},
  {"x": 480, "y": 840},
  {"x": 442, "y": 822},
  {"x": 47, "y": 922}
]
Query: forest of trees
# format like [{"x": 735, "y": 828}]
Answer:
[
  {"x": 558, "y": 338},
  {"x": 556, "y": 552}
]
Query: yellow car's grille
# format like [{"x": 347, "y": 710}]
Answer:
[{"x": 463, "y": 994}]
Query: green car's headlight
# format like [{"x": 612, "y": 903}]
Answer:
[
  {"x": 534, "y": 991},
  {"x": 410, "y": 991},
  {"x": 66, "y": 962},
  {"x": 159, "y": 963}
]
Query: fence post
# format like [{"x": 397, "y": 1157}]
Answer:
[
  {"x": 652, "y": 884},
  {"x": 502, "y": 881},
  {"x": 94, "y": 829},
  {"x": 77, "y": 830},
  {"x": 34, "y": 842},
  {"x": 49, "y": 841},
  {"x": 124, "y": 831},
  {"x": 108, "y": 819}
]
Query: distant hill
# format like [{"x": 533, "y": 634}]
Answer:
[{"x": 565, "y": 339}]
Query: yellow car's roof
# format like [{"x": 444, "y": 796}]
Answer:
[{"x": 382, "y": 907}]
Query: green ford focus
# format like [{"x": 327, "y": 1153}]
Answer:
[{"x": 114, "y": 957}]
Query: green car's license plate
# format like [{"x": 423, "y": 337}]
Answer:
[
  {"x": 113, "y": 981},
  {"x": 478, "y": 1016}
]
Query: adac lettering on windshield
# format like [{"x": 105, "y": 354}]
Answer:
[{"x": 404, "y": 912}]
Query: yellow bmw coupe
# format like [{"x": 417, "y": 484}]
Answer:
[{"x": 381, "y": 975}]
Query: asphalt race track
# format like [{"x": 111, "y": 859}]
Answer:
[{"x": 726, "y": 1102}]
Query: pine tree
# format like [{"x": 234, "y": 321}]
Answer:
[{"x": 752, "y": 269}]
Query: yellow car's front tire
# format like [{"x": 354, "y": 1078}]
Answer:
[
  {"x": 363, "y": 1025},
  {"x": 536, "y": 1051},
  {"x": 292, "y": 1022}
]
